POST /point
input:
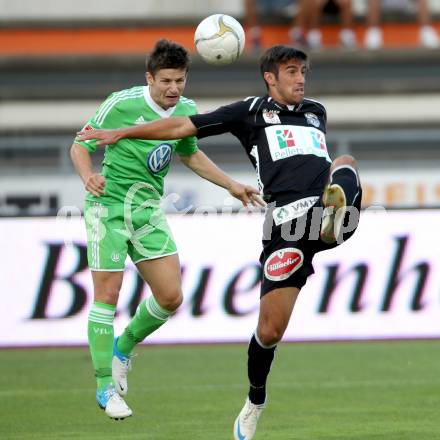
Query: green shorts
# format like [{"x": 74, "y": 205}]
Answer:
[{"x": 143, "y": 234}]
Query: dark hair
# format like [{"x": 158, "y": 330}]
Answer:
[
  {"x": 167, "y": 55},
  {"x": 276, "y": 55}
]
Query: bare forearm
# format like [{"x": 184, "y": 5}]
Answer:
[
  {"x": 82, "y": 162},
  {"x": 163, "y": 129},
  {"x": 94, "y": 183},
  {"x": 204, "y": 167},
  {"x": 170, "y": 128}
]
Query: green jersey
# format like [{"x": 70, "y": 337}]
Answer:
[{"x": 136, "y": 168}]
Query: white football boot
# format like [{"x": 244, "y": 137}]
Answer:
[
  {"x": 112, "y": 403},
  {"x": 334, "y": 212},
  {"x": 246, "y": 423},
  {"x": 121, "y": 365}
]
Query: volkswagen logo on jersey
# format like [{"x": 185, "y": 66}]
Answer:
[
  {"x": 159, "y": 158},
  {"x": 312, "y": 119}
]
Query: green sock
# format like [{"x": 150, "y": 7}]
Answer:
[
  {"x": 148, "y": 318},
  {"x": 100, "y": 333}
]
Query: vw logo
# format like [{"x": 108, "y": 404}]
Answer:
[{"x": 159, "y": 158}]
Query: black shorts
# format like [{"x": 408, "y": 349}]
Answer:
[{"x": 289, "y": 247}]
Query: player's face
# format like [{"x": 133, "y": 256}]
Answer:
[
  {"x": 288, "y": 86},
  {"x": 166, "y": 86}
]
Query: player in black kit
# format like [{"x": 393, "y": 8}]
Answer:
[{"x": 313, "y": 203}]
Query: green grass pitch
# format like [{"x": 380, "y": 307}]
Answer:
[{"x": 329, "y": 391}]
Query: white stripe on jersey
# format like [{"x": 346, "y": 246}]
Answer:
[
  {"x": 184, "y": 100},
  {"x": 209, "y": 125},
  {"x": 315, "y": 101},
  {"x": 256, "y": 113},
  {"x": 253, "y": 103},
  {"x": 254, "y": 153},
  {"x": 107, "y": 106},
  {"x": 111, "y": 103},
  {"x": 108, "y": 102},
  {"x": 115, "y": 99},
  {"x": 95, "y": 234}
]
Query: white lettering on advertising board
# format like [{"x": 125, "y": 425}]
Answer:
[{"x": 382, "y": 283}]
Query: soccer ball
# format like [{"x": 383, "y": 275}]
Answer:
[{"x": 219, "y": 39}]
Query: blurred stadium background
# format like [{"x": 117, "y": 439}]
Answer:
[{"x": 60, "y": 59}]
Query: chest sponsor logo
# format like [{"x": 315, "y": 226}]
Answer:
[
  {"x": 318, "y": 140},
  {"x": 293, "y": 210},
  {"x": 312, "y": 119},
  {"x": 271, "y": 116},
  {"x": 285, "y": 138},
  {"x": 159, "y": 158},
  {"x": 289, "y": 140},
  {"x": 283, "y": 263}
]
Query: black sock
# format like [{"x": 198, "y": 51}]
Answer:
[
  {"x": 346, "y": 178},
  {"x": 259, "y": 362}
]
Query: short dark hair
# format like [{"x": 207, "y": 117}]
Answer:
[
  {"x": 279, "y": 54},
  {"x": 167, "y": 55}
]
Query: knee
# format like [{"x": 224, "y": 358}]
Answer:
[
  {"x": 108, "y": 294},
  {"x": 107, "y": 298},
  {"x": 106, "y": 286},
  {"x": 270, "y": 334},
  {"x": 345, "y": 159},
  {"x": 172, "y": 301}
]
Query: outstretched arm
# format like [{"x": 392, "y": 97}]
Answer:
[
  {"x": 200, "y": 163},
  {"x": 170, "y": 128}
]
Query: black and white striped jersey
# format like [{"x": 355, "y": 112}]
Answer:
[{"x": 286, "y": 144}]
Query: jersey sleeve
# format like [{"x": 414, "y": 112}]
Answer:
[
  {"x": 101, "y": 119},
  {"x": 321, "y": 110},
  {"x": 229, "y": 118},
  {"x": 89, "y": 145},
  {"x": 324, "y": 116},
  {"x": 187, "y": 146}
]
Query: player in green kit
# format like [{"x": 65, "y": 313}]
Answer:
[{"x": 123, "y": 216}]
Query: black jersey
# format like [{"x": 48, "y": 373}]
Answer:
[{"x": 286, "y": 144}]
